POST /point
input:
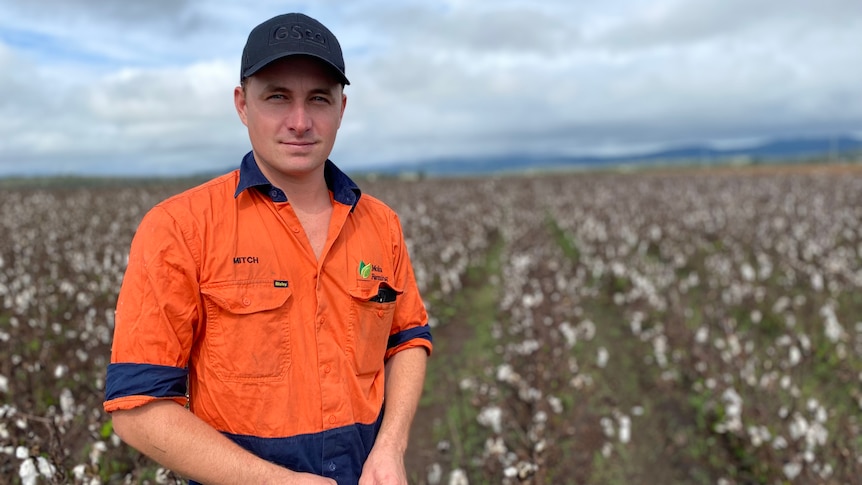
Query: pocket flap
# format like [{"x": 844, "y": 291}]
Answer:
[
  {"x": 245, "y": 297},
  {"x": 370, "y": 290}
]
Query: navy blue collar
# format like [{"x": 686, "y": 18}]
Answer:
[{"x": 343, "y": 189}]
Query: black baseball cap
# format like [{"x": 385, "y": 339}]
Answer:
[{"x": 288, "y": 35}]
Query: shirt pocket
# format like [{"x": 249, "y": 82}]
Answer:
[
  {"x": 247, "y": 330},
  {"x": 368, "y": 328}
]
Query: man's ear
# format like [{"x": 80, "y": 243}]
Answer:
[
  {"x": 343, "y": 106},
  {"x": 239, "y": 102}
]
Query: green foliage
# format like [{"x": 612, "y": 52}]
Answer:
[{"x": 563, "y": 239}]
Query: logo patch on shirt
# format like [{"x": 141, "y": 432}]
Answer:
[
  {"x": 368, "y": 270},
  {"x": 364, "y": 270},
  {"x": 246, "y": 260},
  {"x": 280, "y": 283}
]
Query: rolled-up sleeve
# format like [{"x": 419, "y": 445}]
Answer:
[
  {"x": 410, "y": 324},
  {"x": 157, "y": 312}
]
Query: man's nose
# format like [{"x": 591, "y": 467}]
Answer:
[{"x": 297, "y": 119}]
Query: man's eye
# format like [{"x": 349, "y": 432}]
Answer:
[
  {"x": 276, "y": 97},
  {"x": 320, "y": 99}
]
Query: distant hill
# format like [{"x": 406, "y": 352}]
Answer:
[{"x": 779, "y": 150}]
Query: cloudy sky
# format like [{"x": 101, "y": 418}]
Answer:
[{"x": 146, "y": 87}]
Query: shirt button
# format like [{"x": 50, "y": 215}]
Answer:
[
  {"x": 332, "y": 420},
  {"x": 321, "y": 320},
  {"x": 246, "y": 301},
  {"x": 332, "y": 466},
  {"x": 273, "y": 193},
  {"x": 380, "y": 313},
  {"x": 327, "y": 369},
  {"x": 295, "y": 229}
]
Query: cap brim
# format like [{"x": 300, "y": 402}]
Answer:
[{"x": 268, "y": 60}]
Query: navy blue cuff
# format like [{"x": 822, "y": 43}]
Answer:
[
  {"x": 157, "y": 381},
  {"x": 410, "y": 334}
]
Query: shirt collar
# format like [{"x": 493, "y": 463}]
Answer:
[{"x": 343, "y": 189}]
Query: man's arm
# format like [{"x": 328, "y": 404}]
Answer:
[
  {"x": 405, "y": 377},
  {"x": 183, "y": 443}
]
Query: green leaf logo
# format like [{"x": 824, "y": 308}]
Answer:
[{"x": 364, "y": 269}]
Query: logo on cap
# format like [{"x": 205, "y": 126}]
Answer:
[{"x": 298, "y": 32}]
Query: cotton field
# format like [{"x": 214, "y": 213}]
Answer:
[{"x": 658, "y": 327}]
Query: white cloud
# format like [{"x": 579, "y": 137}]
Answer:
[{"x": 147, "y": 87}]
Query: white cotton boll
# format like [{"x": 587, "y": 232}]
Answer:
[
  {"x": 805, "y": 342},
  {"x": 607, "y": 449},
  {"x": 21, "y": 452},
  {"x": 529, "y": 394},
  {"x": 659, "y": 350},
  {"x": 495, "y": 447},
  {"x": 795, "y": 356},
  {"x": 636, "y": 326},
  {"x": 781, "y": 304},
  {"x": 162, "y": 475},
  {"x": 540, "y": 417},
  {"x": 748, "y": 273},
  {"x": 625, "y": 428},
  {"x": 588, "y": 329},
  {"x": 540, "y": 446},
  {"x": 79, "y": 471},
  {"x": 67, "y": 404},
  {"x": 817, "y": 282},
  {"x": 702, "y": 335},
  {"x": 602, "y": 358},
  {"x": 505, "y": 373},
  {"x": 458, "y": 477},
  {"x": 792, "y": 470},
  {"x": 491, "y": 417},
  {"x": 817, "y": 436},
  {"x": 99, "y": 447},
  {"x": 821, "y": 415},
  {"x": 798, "y": 427},
  {"x": 435, "y": 474},
  {"x": 46, "y": 469},
  {"x": 733, "y": 409},
  {"x": 28, "y": 472},
  {"x": 607, "y": 425},
  {"x": 569, "y": 334},
  {"x": 4, "y": 384},
  {"x": 467, "y": 384},
  {"x": 556, "y": 404},
  {"x": 526, "y": 469}
]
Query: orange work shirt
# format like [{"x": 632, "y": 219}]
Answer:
[{"x": 224, "y": 306}]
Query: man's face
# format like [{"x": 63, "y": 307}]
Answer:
[{"x": 293, "y": 109}]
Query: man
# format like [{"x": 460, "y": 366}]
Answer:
[{"x": 277, "y": 301}]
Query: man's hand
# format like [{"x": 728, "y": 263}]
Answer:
[{"x": 383, "y": 468}]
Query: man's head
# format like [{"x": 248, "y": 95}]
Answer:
[
  {"x": 289, "y": 35},
  {"x": 291, "y": 97}
]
